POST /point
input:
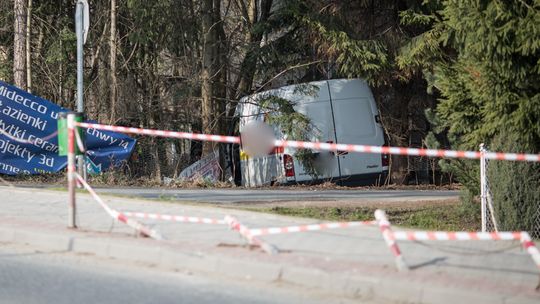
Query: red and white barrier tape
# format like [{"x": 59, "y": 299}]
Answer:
[
  {"x": 455, "y": 236},
  {"x": 531, "y": 248},
  {"x": 408, "y": 151},
  {"x": 325, "y": 146},
  {"x": 160, "y": 133},
  {"x": 79, "y": 142},
  {"x": 120, "y": 216},
  {"x": 388, "y": 236},
  {"x": 71, "y": 177},
  {"x": 523, "y": 237},
  {"x": 244, "y": 231},
  {"x": 175, "y": 218},
  {"x": 305, "y": 228},
  {"x": 28, "y": 141}
]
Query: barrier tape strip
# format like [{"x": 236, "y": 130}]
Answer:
[
  {"x": 325, "y": 146},
  {"x": 79, "y": 142},
  {"x": 305, "y": 228},
  {"x": 531, "y": 248},
  {"x": 244, "y": 231},
  {"x": 388, "y": 237},
  {"x": 408, "y": 151},
  {"x": 160, "y": 133},
  {"x": 455, "y": 236},
  {"x": 71, "y": 175},
  {"x": 523, "y": 237},
  {"x": 120, "y": 216},
  {"x": 175, "y": 218}
]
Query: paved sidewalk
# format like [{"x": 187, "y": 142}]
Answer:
[{"x": 354, "y": 262}]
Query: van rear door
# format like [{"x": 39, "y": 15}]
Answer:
[
  {"x": 354, "y": 112},
  {"x": 320, "y": 114}
]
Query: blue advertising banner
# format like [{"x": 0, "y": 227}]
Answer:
[{"x": 28, "y": 141}]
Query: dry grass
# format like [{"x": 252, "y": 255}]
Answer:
[{"x": 449, "y": 215}]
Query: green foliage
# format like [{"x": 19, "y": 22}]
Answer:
[
  {"x": 468, "y": 171},
  {"x": 479, "y": 57},
  {"x": 420, "y": 51},
  {"x": 515, "y": 187},
  {"x": 5, "y": 71},
  {"x": 493, "y": 83},
  {"x": 482, "y": 58},
  {"x": 6, "y": 36},
  {"x": 355, "y": 58},
  {"x": 334, "y": 42},
  {"x": 61, "y": 49},
  {"x": 294, "y": 125},
  {"x": 412, "y": 17},
  {"x": 152, "y": 19}
]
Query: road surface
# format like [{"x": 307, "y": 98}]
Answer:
[
  {"x": 258, "y": 195},
  {"x": 29, "y": 276},
  {"x": 345, "y": 262}
]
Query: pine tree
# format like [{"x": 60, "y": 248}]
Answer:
[{"x": 481, "y": 57}]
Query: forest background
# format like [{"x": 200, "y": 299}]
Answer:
[{"x": 445, "y": 74}]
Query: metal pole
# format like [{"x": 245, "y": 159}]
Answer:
[
  {"x": 79, "y": 22},
  {"x": 487, "y": 202},
  {"x": 483, "y": 197},
  {"x": 79, "y": 28},
  {"x": 72, "y": 223}
]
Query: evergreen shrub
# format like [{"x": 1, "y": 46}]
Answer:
[{"x": 515, "y": 187}]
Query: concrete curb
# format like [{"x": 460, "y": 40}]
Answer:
[{"x": 391, "y": 286}]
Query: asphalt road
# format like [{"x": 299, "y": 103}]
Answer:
[
  {"x": 28, "y": 276},
  {"x": 258, "y": 195}
]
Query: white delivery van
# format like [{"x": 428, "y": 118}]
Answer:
[{"x": 342, "y": 111}]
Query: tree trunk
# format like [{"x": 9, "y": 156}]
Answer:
[
  {"x": 28, "y": 49},
  {"x": 61, "y": 78},
  {"x": 19, "y": 54},
  {"x": 112, "y": 60},
  {"x": 245, "y": 79},
  {"x": 220, "y": 90},
  {"x": 249, "y": 64},
  {"x": 207, "y": 73}
]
